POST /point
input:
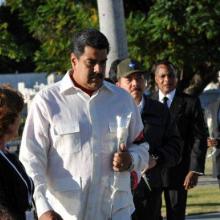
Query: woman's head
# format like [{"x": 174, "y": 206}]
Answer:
[{"x": 11, "y": 105}]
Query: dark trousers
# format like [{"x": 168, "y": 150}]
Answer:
[
  {"x": 175, "y": 203},
  {"x": 147, "y": 203}
]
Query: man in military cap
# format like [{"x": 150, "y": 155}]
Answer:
[{"x": 161, "y": 134}]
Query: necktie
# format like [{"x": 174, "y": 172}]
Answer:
[{"x": 165, "y": 99}]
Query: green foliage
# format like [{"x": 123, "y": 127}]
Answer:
[
  {"x": 136, "y": 29},
  {"x": 8, "y": 47},
  {"x": 186, "y": 32},
  {"x": 202, "y": 199},
  {"x": 205, "y": 197},
  {"x": 53, "y": 23},
  {"x": 16, "y": 44}
]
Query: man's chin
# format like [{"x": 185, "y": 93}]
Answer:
[
  {"x": 96, "y": 85},
  {"x": 136, "y": 94},
  {"x": 167, "y": 90}
]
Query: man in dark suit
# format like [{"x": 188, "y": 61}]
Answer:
[
  {"x": 213, "y": 141},
  {"x": 160, "y": 133},
  {"x": 187, "y": 113}
]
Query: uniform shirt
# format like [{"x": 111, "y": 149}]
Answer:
[
  {"x": 67, "y": 148},
  {"x": 140, "y": 106}
]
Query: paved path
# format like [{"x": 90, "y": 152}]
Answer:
[
  {"x": 206, "y": 180},
  {"x": 212, "y": 216}
]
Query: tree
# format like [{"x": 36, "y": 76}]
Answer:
[
  {"x": 16, "y": 44},
  {"x": 112, "y": 24},
  {"x": 53, "y": 23},
  {"x": 186, "y": 32},
  {"x": 142, "y": 6}
]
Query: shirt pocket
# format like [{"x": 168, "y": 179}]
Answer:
[
  {"x": 68, "y": 139},
  {"x": 109, "y": 139}
]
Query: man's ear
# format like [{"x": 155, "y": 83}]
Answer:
[
  {"x": 117, "y": 83},
  {"x": 155, "y": 78},
  {"x": 73, "y": 59}
]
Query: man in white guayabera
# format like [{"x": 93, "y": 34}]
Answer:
[{"x": 80, "y": 142}]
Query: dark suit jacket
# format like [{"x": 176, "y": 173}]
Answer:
[
  {"x": 13, "y": 191},
  {"x": 214, "y": 109},
  {"x": 187, "y": 112},
  {"x": 163, "y": 138}
]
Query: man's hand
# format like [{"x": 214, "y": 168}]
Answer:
[
  {"x": 50, "y": 215},
  {"x": 152, "y": 163},
  {"x": 122, "y": 160},
  {"x": 191, "y": 180},
  {"x": 211, "y": 142}
]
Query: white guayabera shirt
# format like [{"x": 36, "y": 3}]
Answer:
[{"x": 67, "y": 148}]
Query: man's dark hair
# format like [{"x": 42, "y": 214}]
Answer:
[
  {"x": 11, "y": 105},
  {"x": 113, "y": 70},
  {"x": 169, "y": 65},
  {"x": 89, "y": 37}
]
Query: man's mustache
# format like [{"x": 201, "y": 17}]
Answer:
[
  {"x": 136, "y": 89},
  {"x": 96, "y": 76}
]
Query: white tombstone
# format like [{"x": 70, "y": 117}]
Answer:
[
  {"x": 21, "y": 86},
  {"x": 51, "y": 79}
]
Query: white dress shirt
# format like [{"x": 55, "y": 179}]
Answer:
[
  {"x": 170, "y": 97},
  {"x": 67, "y": 147},
  {"x": 140, "y": 106}
]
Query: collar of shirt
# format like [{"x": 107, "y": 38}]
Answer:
[
  {"x": 170, "y": 97},
  {"x": 67, "y": 84},
  {"x": 140, "y": 106}
]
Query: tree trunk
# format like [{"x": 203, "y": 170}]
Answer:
[{"x": 112, "y": 24}]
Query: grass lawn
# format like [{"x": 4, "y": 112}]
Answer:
[{"x": 203, "y": 198}]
